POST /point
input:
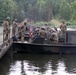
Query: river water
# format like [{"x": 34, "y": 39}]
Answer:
[{"x": 38, "y": 64}]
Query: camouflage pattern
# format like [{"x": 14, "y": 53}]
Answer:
[
  {"x": 62, "y": 36},
  {"x": 54, "y": 37},
  {"x": 63, "y": 27},
  {"x": 14, "y": 28},
  {"x": 6, "y": 31},
  {"x": 23, "y": 33},
  {"x": 42, "y": 33}
]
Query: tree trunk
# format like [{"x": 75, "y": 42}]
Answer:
[{"x": 49, "y": 14}]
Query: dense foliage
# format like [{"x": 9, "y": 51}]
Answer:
[
  {"x": 6, "y": 9},
  {"x": 38, "y": 10}
]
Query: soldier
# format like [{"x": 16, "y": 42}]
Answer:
[
  {"x": 6, "y": 30},
  {"x": 63, "y": 27},
  {"x": 14, "y": 27},
  {"x": 55, "y": 28},
  {"x": 54, "y": 37},
  {"x": 36, "y": 31},
  {"x": 23, "y": 29},
  {"x": 62, "y": 33},
  {"x": 42, "y": 33}
]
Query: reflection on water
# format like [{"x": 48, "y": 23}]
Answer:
[{"x": 40, "y": 64}]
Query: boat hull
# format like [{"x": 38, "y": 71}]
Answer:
[{"x": 44, "y": 48}]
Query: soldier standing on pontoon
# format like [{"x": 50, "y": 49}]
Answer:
[
  {"x": 23, "y": 29},
  {"x": 63, "y": 27},
  {"x": 6, "y": 30},
  {"x": 62, "y": 33},
  {"x": 14, "y": 28}
]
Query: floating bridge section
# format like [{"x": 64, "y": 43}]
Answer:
[{"x": 4, "y": 47}]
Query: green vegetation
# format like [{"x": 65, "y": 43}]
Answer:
[
  {"x": 43, "y": 23},
  {"x": 39, "y": 10},
  {"x": 6, "y": 9}
]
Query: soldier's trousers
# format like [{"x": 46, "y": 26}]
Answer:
[
  {"x": 6, "y": 36},
  {"x": 22, "y": 37}
]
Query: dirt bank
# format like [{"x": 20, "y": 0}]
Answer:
[{"x": 55, "y": 22}]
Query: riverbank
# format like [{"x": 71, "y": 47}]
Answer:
[
  {"x": 56, "y": 22},
  {"x": 69, "y": 24}
]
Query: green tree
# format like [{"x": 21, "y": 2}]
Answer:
[
  {"x": 6, "y": 9},
  {"x": 73, "y": 16},
  {"x": 65, "y": 10}
]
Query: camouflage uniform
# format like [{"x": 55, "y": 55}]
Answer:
[
  {"x": 6, "y": 31},
  {"x": 63, "y": 27},
  {"x": 54, "y": 37},
  {"x": 62, "y": 33},
  {"x": 23, "y": 28},
  {"x": 42, "y": 33},
  {"x": 14, "y": 28}
]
